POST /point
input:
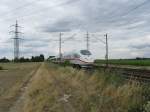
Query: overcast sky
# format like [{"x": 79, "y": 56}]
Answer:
[{"x": 127, "y": 23}]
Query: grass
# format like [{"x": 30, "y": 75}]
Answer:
[
  {"x": 84, "y": 92},
  {"x": 11, "y": 81},
  {"x": 1, "y": 68},
  {"x": 126, "y": 62}
]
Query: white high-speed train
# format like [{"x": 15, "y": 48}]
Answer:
[
  {"x": 82, "y": 58},
  {"x": 79, "y": 59}
]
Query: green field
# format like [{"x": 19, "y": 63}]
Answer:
[{"x": 125, "y": 62}]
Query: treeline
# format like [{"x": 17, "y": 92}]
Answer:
[
  {"x": 23, "y": 59},
  {"x": 137, "y": 58},
  {"x": 4, "y": 60},
  {"x": 32, "y": 59}
]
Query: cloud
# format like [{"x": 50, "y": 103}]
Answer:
[
  {"x": 66, "y": 24},
  {"x": 128, "y": 32},
  {"x": 142, "y": 46}
]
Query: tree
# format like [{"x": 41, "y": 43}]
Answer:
[
  {"x": 38, "y": 58},
  {"x": 42, "y": 57},
  {"x": 4, "y": 60}
]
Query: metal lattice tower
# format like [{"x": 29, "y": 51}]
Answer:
[{"x": 16, "y": 42}]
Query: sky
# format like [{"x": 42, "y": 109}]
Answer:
[{"x": 127, "y": 23}]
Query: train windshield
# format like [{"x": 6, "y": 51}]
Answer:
[{"x": 85, "y": 52}]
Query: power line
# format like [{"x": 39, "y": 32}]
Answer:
[
  {"x": 70, "y": 1},
  {"x": 62, "y": 41},
  {"x": 102, "y": 41},
  {"x": 42, "y": 10},
  {"x": 18, "y": 8},
  {"x": 69, "y": 38},
  {"x": 126, "y": 13},
  {"x": 120, "y": 16},
  {"x": 136, "y": 7}
]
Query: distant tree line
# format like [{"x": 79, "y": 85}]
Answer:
[
  {"x": 22, "y": 59},
  {"x": 38, "y": 58},
  {"x": 4, "y": 60},
  {"x": 137, "y": 58}
]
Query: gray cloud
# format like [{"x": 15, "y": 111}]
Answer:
[
  {"x": 127, "y": 30},
  {"x": 66, "y": 24},
  {"x": 142, "y": 46}
]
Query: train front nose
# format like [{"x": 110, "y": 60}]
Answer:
[{"x": 89, "y": 60}]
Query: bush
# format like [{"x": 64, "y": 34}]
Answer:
[
  {"x": 4, "y": 60},
  {"x": 66, "y": 63}
]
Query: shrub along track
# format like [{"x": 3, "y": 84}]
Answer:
[{"x": 139, "y": 74}]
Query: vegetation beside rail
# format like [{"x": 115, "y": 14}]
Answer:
[
  {"x": 134, "y": 62},
  {"x": 61, "y": 89}
]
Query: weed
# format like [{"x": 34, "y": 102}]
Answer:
[{"x": 98, "y": 92}]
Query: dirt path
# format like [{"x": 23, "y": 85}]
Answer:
[{"x": 18, "y": 105}]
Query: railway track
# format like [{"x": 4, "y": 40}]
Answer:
[{"x": 139, "y": 75}]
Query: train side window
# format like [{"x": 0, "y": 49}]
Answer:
[{"x": 76, "y": 56}]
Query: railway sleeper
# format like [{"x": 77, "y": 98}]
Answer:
[{"x": 137, "y": 75}]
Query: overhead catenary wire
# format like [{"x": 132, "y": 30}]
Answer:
[
  {"x": 112, "y": 20},
  {"x": 136, "y": 7},
  {"x": 61, "y": 41},
  {"x": 36, "y": 12},
  {"x": 124, "y": 16},
  {"x": 99, "y": 39},
  {"x": 69, "y": 38},
  {"x": 18, "y": 8},
  {"x": 106, "y": 47},
  {"x": 97, "y": 21}
]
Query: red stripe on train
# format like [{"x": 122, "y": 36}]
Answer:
[{"x": 78, "y": 60}]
